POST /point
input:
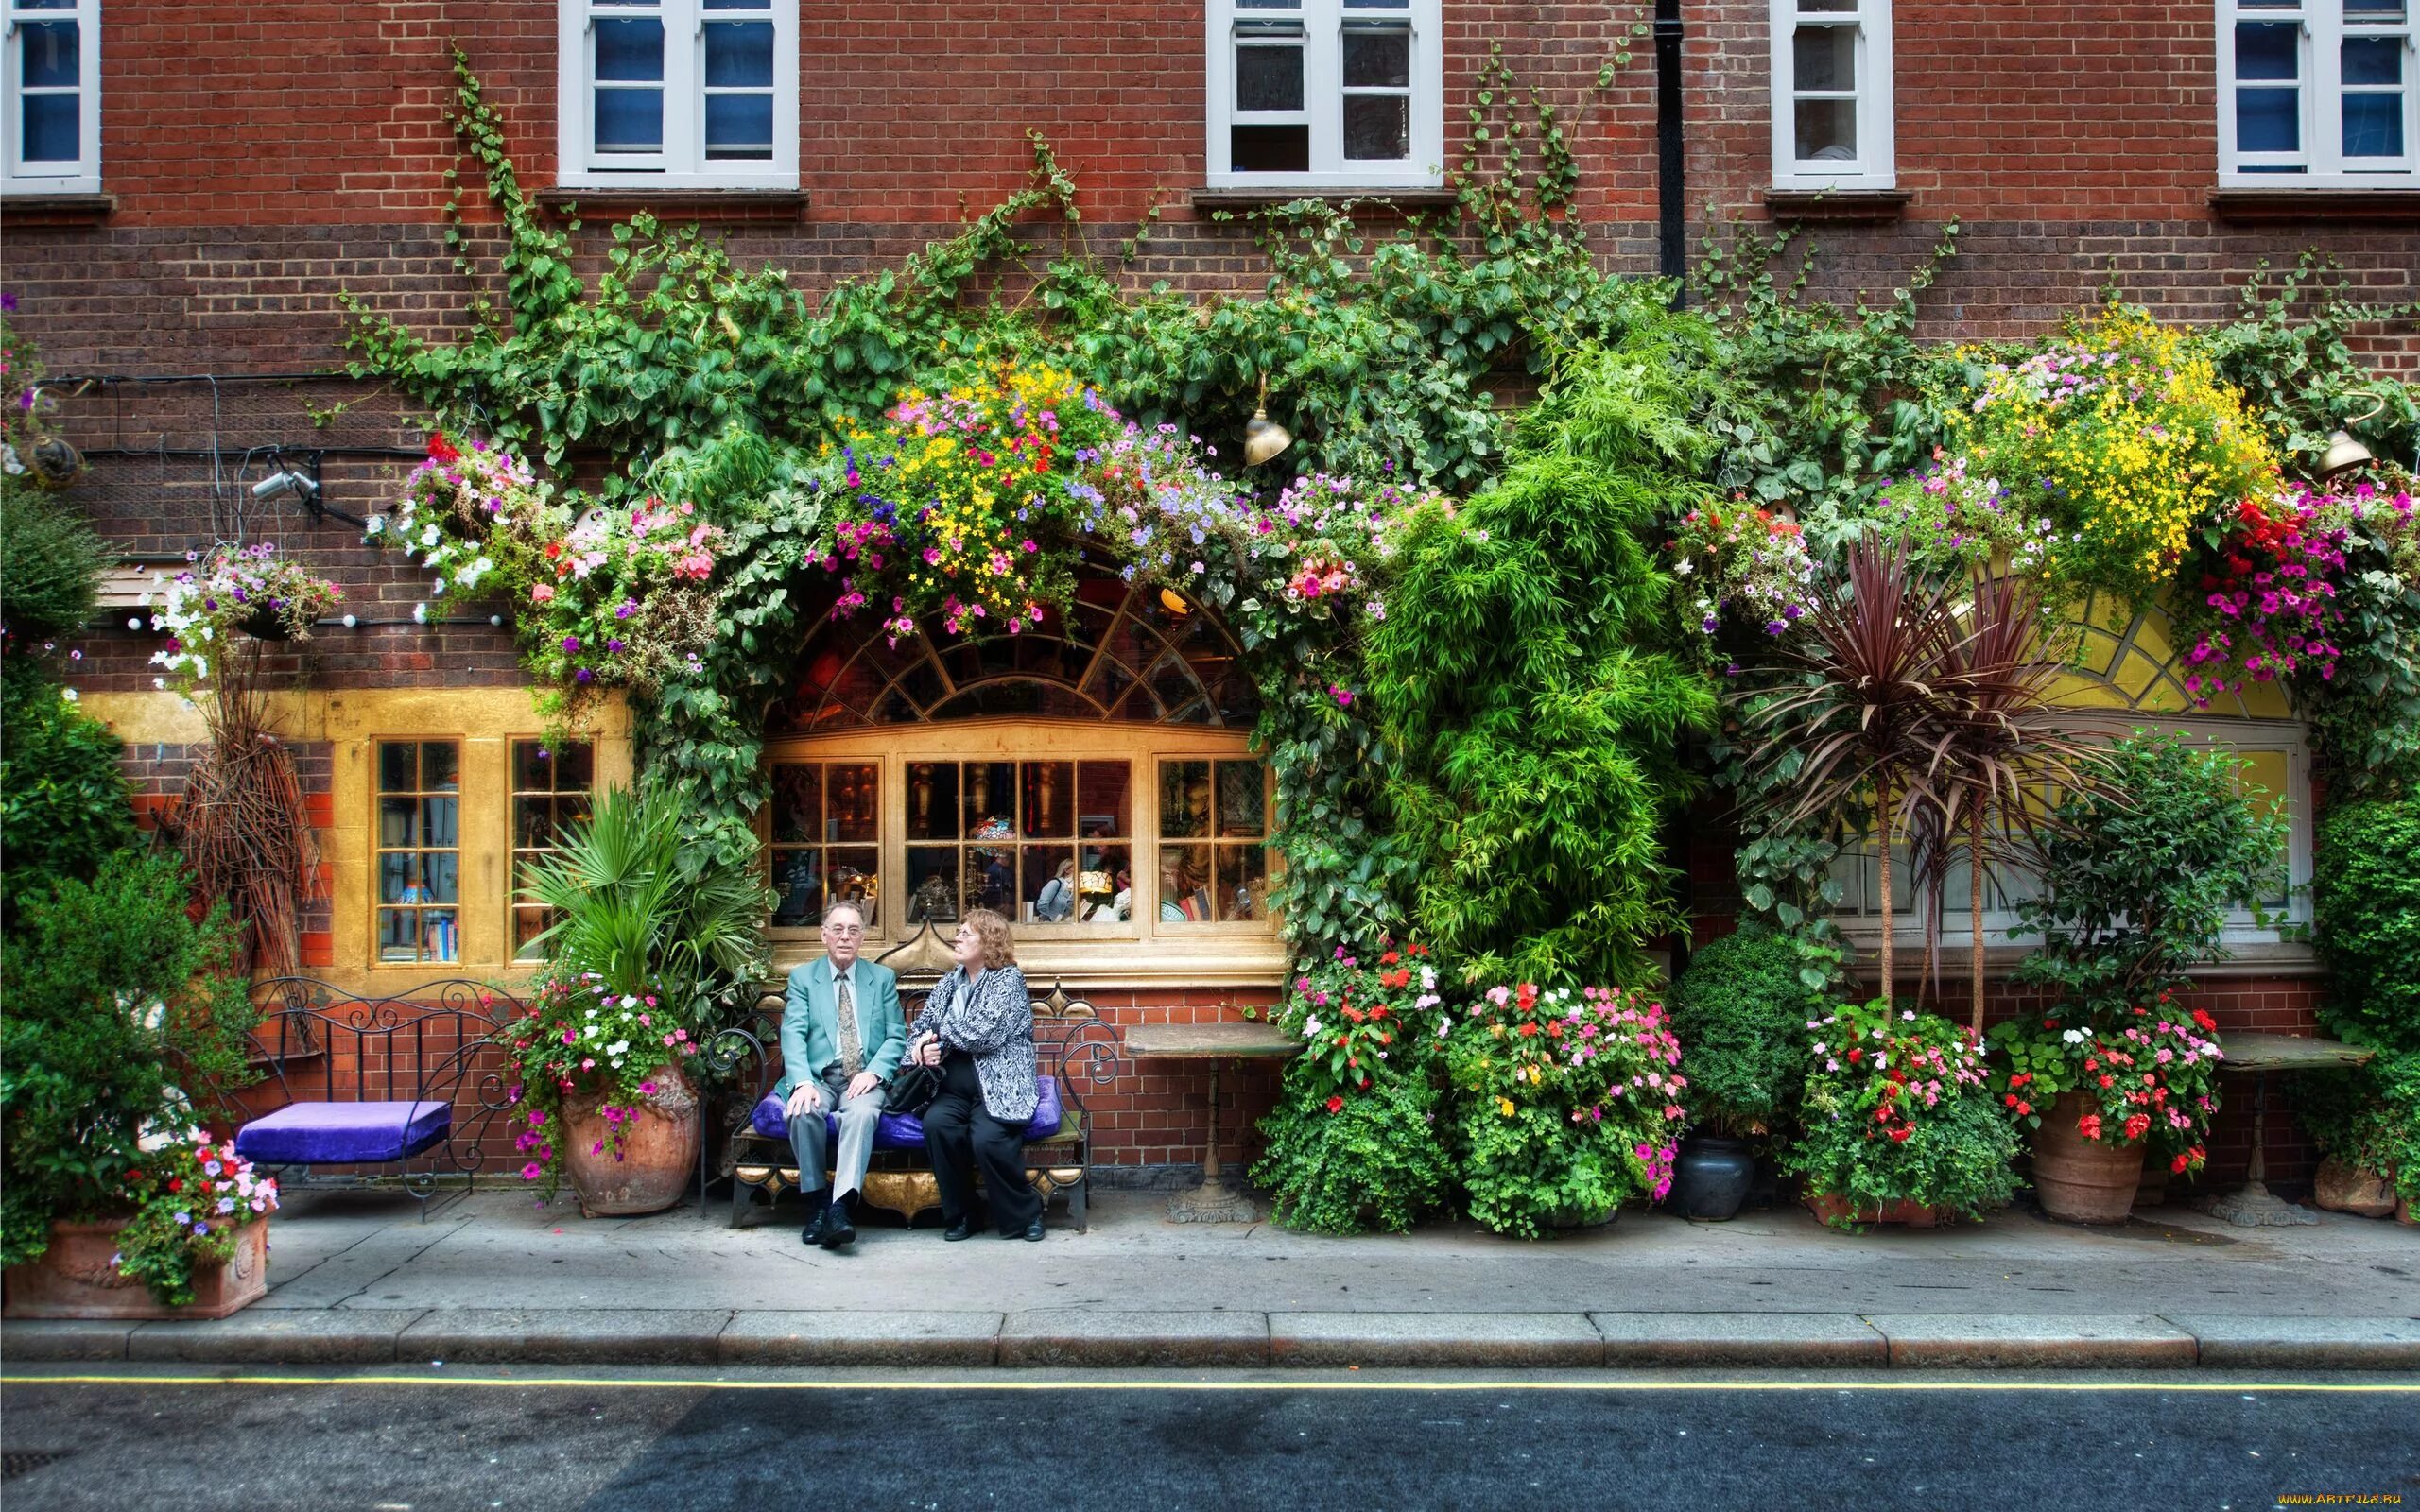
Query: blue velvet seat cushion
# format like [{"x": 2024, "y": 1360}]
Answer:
[
  {"x": 343, "y": 1133},
  {"x": 903, "y": 1131}
]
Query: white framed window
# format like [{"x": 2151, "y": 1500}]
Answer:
[
  {"x": 2317, "y": 92},
  {"x": 678, "y": 94},
  {"x": 50, "y": 97},
  {"x": 1831, "y": 94},
  {"x": 1325, "y": 93}
]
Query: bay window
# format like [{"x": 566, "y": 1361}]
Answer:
[
  {"x": 2317, "y": 92},
  {"x": 678, "y": 94},
  {"x": 1325, "y": 93}
]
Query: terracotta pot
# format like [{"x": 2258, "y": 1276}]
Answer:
[
  {"x": 1831, "y": 1208},
  {"x": 658, "y": 1150},
  {"x": 73, "y": 1277},
  {"x": 2403, "y": 1213},
  {"x": 2342, "y": 1187},
  {"x": 2082, "y": 1180}
]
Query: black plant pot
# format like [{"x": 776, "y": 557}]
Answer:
[
  {"x": 265, "y": 625},
  {"x": 1711, "y": 1176}
]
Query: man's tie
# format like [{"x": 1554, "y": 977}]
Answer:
[{"x": 853, "y": 1050}]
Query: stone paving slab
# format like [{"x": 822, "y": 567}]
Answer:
[
  {"x": 1076, "y": 1336},
  {"x": 53, "y": 1339},
  {"x": 1760, "y": 1340},
  {"x": 1479, "y": 1341},
  {"x": 483, "y": 1335},
  {"x": 808, "y": 1338},
  {"x": 2304, "y": 1343},
  {"x": 278, "y": 1336},
  {"x": 2003, "y": 1341}
]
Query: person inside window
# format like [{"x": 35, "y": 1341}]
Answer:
[
  {"x": 977, "y": 1027},
  {"x": 1118, "y": 906},
  {"x": 1056, "y": 903},
  {"x": 1182, "y": 898}
]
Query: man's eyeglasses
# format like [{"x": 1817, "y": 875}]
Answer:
[{"x": 844, "y": 929}]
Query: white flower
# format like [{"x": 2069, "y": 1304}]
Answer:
[
  {"x": 1684, "y": 567},
  {"x": 1310, "y": 1028},
  {"x": 429, "y": 537},
  {"x": 68, "y": 693},
  {"x": 420, "y": 612},
  {"x": 2073, "y": 1037},
  {"x": 377, "y": 525},
  {"x": 438, "y": 588},
  {"x": 619, "y": 1047}
]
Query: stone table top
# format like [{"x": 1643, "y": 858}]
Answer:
[
  {"x": 2248, "y": 1050},
  {"x": 1203, "y": 1041}
]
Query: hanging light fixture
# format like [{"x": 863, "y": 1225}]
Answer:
[
  {"x": 1264, "y": 438},
  {"x": 2343, "y": 453}
]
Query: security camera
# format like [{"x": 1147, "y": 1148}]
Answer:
[{"x": 289, "y": 484}]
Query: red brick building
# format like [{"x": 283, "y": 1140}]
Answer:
[{"x": 187, "y": 193}]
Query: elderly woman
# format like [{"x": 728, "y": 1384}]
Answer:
[{"x": 977, "y": 1027}]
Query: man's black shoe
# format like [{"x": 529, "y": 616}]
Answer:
[
  {"x": 813, "y": 1232},
  {"x": 959, "y": 1231},
  {"x": 837, "y": 1230}
]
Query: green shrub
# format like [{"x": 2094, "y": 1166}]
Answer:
[
  {"x": 50, "y": 564},
  {"x": 2367, "y": 920},
  {"x": 1373, "y": 1163},
  {"x": 116, "y": 1011},
  {"x": 1741, "y": 1011},
  {"x": 63, "y": 802},
  {"x": 2369, "y": 1117}
]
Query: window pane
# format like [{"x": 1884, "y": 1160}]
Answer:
[
  {"x": 740, "y": 5},
  {"x": 2374, "y": 126},
  {"x": 398, "y": 765},
  {"x": 528, "y": 924},
  {"x": 51, "y": 54},
  {"x": 1824, "y": 57},
  {"x": 439, "y": 766},
  {"x": 2267, "y": 120},
  {"x": 533, "y": 823},
  {"x": 740, "y": 55},
  {"x": 1827, "y": 130},
  {"x": 1826, "y": 7},
  {"x": 630, "y": 51},
  {"x": 1377, "y": 127},
  {"x": 1049, "y": 799},
  {"x": 533, "y": 767},
  {"x": 1106, "y": 880},
  {"x": 991, "y": 879},
  {"x": 798, "y": 802},
  {"x": 1184, "y": 800},
  {"x": 1105, "y": 799},
  {"x": 1047, "y": 889},
  {"x": 991, "y": 800},
  {"x": 2373, "y": 60},
  {"x": 2267, "y": 49},
  {"x": 850, "y": 879},
  {"x": 1184, "y": 883},
  {"x": 739, "y": 126},
  {"x": 932, "y": 801},
  {"x": 630, "y": 120},
  {"x": 437, "y": 818},
  {"x": 853, "y": 809},
  {"x": 932, "y": 884},
  {"x": 798, "y": 889},
  {"x": 393, "y": 874},
  {"x": 1269, "y": 79},
  {"x": 1377, "y": 60},
  {"x": 1242, "y": 800},
  {"x": 443, "y": 869},
  {"x": 1243, "y": 882},
  {"x": 2374, "y": 11}
]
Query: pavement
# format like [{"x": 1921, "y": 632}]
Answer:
[{"x": 495, "y": 1280}]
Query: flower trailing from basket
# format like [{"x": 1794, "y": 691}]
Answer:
[
  {"x": 578, "y": 1037},
  {"x": 190, "y": 1199},
  {"x": 1566, "y": 1103},
  {"x": 1732, "y": 557},
  {"x": 230, "y": 587},
  {"x": 2149, "y": 1073}
]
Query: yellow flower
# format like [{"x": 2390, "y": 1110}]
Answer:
[{"x": 1504, "y": 1106}]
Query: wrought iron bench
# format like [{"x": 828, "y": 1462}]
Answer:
[
  {"x": 1076, "y": 1049},
  {"x": 370, "y": 1081}
]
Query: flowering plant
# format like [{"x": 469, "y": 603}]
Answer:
[
  {"x": 1567, "y": 1103},
  {"x": 1899, "y": 1109},
  {"x": 582, "y": 1036},
  {"x": 2266, "y": 601},
  {"x": 190, "y": 1199},
  {"x": 2149, "y": 1075},
  {"x": 1362, "y": 1022},
  {"x": 1750, "y": 561},
  {"x": 1954, "y": 518},
  {"x": 2132, "y": 442},
  {"x": 232, "y": 587}
]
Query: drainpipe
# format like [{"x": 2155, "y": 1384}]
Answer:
[{"x": 1672, "y": 239}]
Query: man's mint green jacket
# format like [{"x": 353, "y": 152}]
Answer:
[{"x": 811, "y": 1021}]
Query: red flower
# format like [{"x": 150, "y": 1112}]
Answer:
[
  {"x": 2203, "y": 1019},
  {"x": 442, "y": 450},
  {"x": 1335, "y": 1104},
  {"x": 1899, "y": 1135},
  {"x": 1530, "y": 1028},
  {"x": 1856, "y": 1056},
  {"x": 1389, "y": 959},
  {"x": 176, "y": 1183}
]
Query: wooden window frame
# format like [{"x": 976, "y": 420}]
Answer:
[
  {"x": 83, "y": 176},
  {"x": 1876, "y": 166},
  {"x": 457, "y": 907},
  {"x": 513, "y": 849},
  {"x": 682, "y": 163},
  {"x": 2321, "y": 29},
  {"x": 1323, "y": 25}
]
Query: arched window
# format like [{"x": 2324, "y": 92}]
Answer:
[{"x": 1090, "y": 777}]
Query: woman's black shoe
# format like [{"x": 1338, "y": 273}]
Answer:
[
  {"x": 958, "y": 1230},
  {"x": 1031, "y": 1235}
]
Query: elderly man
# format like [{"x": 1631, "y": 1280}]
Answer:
[{"x": 843, "y": 1036}]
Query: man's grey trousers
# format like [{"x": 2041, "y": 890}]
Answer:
[{"x": 856, "y": 1119}]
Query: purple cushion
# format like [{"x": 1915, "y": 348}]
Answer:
[
  {"x": 902, "y": 1131},
  {"x": 343, "y": 1133}
]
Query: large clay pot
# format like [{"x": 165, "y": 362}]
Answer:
[
  {"x": 1711, "y": 1176},
  {"x": 1836, "y": 1211},
  {"x": 658, "y": 1150},
  {"x": 2082, "y": 1180},
  {"x": 73, "y": 1277},
  {"x": 2342, "y": 1187}
]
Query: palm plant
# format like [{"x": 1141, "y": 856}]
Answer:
[
  {"x": 646, "y": 913},
  {"x": 1857, "y": 723}
]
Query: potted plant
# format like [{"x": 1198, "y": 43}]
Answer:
[
  {"x": 120, "y": 1010},
  {"x": 1743, "y": 1010},
  {"x": 232, "y": 587},
  {"x": 1899, "y": 1124},
  {"x": 653, "y": 942},
  {"x": 2138, "y": 876},
  {"x": 1566, "y": 1103}
]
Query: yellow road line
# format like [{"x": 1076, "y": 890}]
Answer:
[{"x": 694, "y": 1384}]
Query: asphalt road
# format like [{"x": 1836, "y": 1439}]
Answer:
[{"x": 633, "y": 1441}]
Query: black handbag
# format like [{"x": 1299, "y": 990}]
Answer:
[{"x": 912, "y": 1089}]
